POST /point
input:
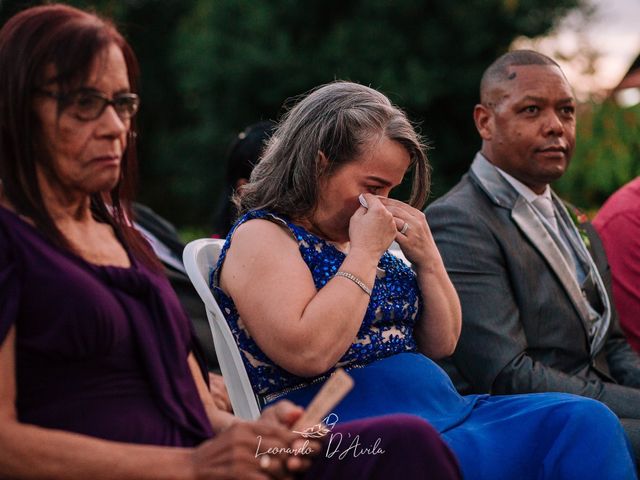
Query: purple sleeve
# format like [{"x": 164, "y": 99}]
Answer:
[{"x": 9, "y": 287}]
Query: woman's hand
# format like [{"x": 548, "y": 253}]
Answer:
[
  {"x": 438, "y": 329},
  {"x": 372, "y": 229},
  {"x": 219, "y": 393},
  {"x": 415, "y": 238},
  {"x": 241, "y": 450},
  {"x": 286, "y": 414},
  {"x": 235, "y": 453}
]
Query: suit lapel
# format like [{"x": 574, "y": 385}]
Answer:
[
  {"x": 538, "y": 235},
  {"x": 522, "y": 214}
]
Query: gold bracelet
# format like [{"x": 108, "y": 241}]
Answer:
[{"x": 355, "y": 280}]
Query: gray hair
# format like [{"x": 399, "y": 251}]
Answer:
[
  {"x": 337, "y": 119},
  {"x": 498, "y": 71}
]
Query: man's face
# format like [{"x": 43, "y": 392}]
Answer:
[{"x": 529, "y": 126}]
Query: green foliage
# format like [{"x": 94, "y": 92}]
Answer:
[
  {"x": 607, "y": 154},
  {"x": 239, "y": 60},
  {"x": 211, "y": 67}
]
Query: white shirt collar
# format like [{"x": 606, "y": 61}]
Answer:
[{"x": 528, "y": 194}]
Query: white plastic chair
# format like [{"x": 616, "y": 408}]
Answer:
[{"x": 199, "y": 257}]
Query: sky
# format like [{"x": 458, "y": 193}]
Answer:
[{"x": 613, "y": 33}]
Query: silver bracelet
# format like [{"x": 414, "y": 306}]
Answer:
[{"x": 355, "y": 280}]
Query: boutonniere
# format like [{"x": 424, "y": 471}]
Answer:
[{"x": 579, "y": 218}]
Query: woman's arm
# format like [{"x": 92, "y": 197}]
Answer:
[
  {"x": 220, "y": 420},
  {"x": 438, "y": 328},
  {"x": 219, "y": 392},
  {"x": 302, "y": 329},
  {"x": 29, "y": 451}
]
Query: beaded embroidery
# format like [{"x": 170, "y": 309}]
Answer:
[{"x": 387, "y": 327}]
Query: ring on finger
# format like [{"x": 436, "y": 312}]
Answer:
[
  {"x": 405, "y": 228},
  {"x": 265, "y": 461}
]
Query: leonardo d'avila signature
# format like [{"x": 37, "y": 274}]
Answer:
[
  {"x": 355, "y": 448},
  {"x": 352, "y": 446}
]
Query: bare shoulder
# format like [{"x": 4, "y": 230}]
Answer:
[
  {"x": 258, "y": 249},
  {"x": 258, "y": 236}
]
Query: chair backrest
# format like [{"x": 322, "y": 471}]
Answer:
[{"x": 199, "y": 257}]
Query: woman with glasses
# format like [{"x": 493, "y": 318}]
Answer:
[{"x": 97, "y": 378}]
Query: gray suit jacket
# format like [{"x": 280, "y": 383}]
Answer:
[{"x": 523, "y": 318}]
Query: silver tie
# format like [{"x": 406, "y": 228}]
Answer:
[{"x": 545, "y": 207}]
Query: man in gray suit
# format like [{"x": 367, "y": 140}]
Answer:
[{"x": 535, "y": 290}]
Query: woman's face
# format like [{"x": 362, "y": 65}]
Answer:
[
  {"x": 86, "y": 155},
  {"x": 377, "y": 170}
]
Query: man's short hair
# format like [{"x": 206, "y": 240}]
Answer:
[{"x": 498, "y": 71}]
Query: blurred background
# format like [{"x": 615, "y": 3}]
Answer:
[{"x": 212, "y": 67}]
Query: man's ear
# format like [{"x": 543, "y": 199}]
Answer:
[{"x": 483, "y": 118}]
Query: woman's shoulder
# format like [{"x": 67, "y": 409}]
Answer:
[
  {"x": 255, "y": 247},
  {"x": 262, "y": 217},
  {"x": 262, "y": 225},
  {"x": 259, "y": 238},
  {"x": 261, "y": 233}
]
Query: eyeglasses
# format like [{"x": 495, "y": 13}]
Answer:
[{"x": 87, "y": 105}]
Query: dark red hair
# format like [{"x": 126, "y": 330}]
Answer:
[{"x": 69, "y": 40}]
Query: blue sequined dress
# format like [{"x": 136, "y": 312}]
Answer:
[{"x": 521, "y": 436}]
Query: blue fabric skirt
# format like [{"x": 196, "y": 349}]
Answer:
[{"x": 532, "y": 436}]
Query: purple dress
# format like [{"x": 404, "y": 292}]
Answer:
[{"x": 93, "y": 343}]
